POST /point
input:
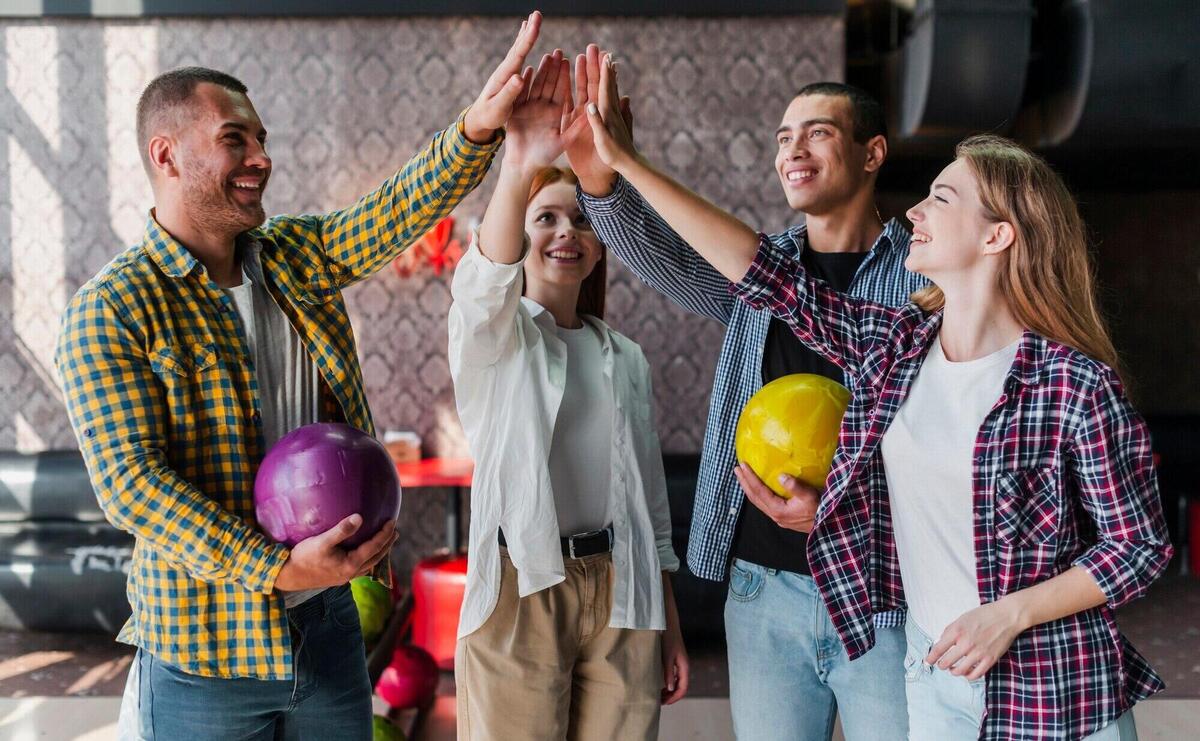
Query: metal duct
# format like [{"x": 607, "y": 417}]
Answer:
[
  {"x": 1116, "y": 74},
  {"x": 963, "y": 67}
]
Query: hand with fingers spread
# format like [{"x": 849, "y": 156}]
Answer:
[
  {"x": 798, "y": 512},
  {"x": 492, "y": 108},
  {"x": 612, "y": 135},
  {"x": 534, "y": 137},
  {"x": 321, "y": 561},
  {"x": 595, "y": 177}
]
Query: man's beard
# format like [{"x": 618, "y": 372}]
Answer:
[{"x": 209, "y": 206}]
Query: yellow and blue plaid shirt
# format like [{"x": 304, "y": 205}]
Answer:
[{"x": 163, "y": 399}]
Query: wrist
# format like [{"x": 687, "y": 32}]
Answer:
[
  {"x": 1021, "y": 611},
  {"x": 285, "y": 577},
  {"x": 514, "y": 171},
  {"x": 631, "y": 166},
  {"x": 599, "y": 186},
  {"x": 475, "y": 132}
]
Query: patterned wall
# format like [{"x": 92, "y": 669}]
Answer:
[{"x": 346, "y": 102}]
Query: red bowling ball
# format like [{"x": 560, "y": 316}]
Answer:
[
  {"x": 320, "y": 474},
  {"x": 410, "y": 681}
]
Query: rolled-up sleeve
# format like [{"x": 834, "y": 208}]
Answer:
[{"x": 1114, "y": 470}]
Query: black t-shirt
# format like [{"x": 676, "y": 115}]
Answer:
[{"x": 757, "y": 538}]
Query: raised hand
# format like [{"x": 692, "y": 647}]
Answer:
[
  {"x": 612, "y": 136},
  {"x": 491, "y": 109},
  {"x": 595, "y": 177},
  {"x": 534, "y": 136}
]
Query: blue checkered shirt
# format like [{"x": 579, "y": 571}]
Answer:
[{"x": 661, "y": 259}]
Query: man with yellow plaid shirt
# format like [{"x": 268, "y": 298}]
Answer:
[{"x": 187, "y": 356}]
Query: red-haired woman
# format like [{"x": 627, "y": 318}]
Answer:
[{"x": 568, "y": 627}]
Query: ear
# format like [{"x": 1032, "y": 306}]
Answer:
[
  {"x": 1001, "y": 236},
  {"x": 877, "y": 149},
  {"x": 162, "y": 156}
]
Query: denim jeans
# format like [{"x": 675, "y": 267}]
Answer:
[
  {"x": 943, "y": 707},
  {"x": 328, "y": 697},
  {"x": 789, "y": 675}
]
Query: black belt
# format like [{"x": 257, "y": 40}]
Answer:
[{"x": 582, "y": 544}]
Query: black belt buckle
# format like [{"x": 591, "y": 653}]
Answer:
[{"x": 607, "y": 532}]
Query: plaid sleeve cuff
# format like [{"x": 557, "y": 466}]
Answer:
[
  {"x": 608, "y": 205},
  {"x": 1124, "y": 571},
  {"x": 891, "y": 619},
  {"x": 770, "y": 275},
  {"x": 260, "y": 567},
  {"x": 466, "y": 152}
]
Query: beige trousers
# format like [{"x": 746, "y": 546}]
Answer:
[{"x": 548, "y": 667}]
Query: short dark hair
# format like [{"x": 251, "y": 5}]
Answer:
[
  {"x": 167, "y": 92},
  {"x": 866, "y": 112}
]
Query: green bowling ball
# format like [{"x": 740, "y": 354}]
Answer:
[
  {"x": 374, "y": 603},
  {"x": 385, "y": 730}
]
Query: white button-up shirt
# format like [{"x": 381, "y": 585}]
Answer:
[{"x": 509, "y": 371}]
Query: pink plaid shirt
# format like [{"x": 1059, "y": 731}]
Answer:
[{"x": 1063, "y": 476}]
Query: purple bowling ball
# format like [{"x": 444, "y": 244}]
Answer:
[{"x": 320, "y": 474}]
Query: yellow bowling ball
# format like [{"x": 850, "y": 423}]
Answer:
[{"x": 791, "y": 426}]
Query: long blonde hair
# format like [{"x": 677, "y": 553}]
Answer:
[{"x": 1047, "y": 278}]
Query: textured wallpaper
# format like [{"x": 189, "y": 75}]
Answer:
[{"x": 346, "y": 102}]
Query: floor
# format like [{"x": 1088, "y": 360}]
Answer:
[
  {"x": 692, "y": 719},
  {"x": 67, "y": 687}
]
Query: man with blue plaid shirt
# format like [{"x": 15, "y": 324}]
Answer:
[
  {"x": 789, "y": 673},
  {"x": 187, "y": 356}
]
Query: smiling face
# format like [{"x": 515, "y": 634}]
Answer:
[
  {"x": 819, "y": 164},
  {"x": 221, "y": 161},
  {"x": 563, "y": 248},
  {"x": 952, "y": 233}
]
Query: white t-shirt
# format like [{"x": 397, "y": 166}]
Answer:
[
  {"x": 928, "y": 454},
  {"x": 581, "y": 448},
  {"x": 288, "y": 385}
]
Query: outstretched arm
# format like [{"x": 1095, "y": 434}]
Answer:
[
  {"x": 839, "y": 327},
  {"x": 487, "y": 284},
  {"x": 359, "y": 240},
  {"x": 719, "y": 237},
  {"x": 622, "y": 219}
]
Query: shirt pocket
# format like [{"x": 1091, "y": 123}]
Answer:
[
  {"x": 197, "y": 393},
  {"x": 1028, "y": 515},
  {"x": 173, "y": 361}
]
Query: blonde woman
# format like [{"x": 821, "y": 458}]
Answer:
[
  {"x": 992, "y": 475},
  {"x": 568, "y": 627}
]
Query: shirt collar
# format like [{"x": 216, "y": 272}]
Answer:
[
  {"x": 893, "y": 235},
  {"x": 1028, "y": 366},
  {"x": 542, "y": 316},
  {"x": 167, "y": 252},
  {"x": 177, "y": 262}
]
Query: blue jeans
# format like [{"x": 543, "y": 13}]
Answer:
[
  {"x": 788, "y": 671},
  {"x": 329, "y": 696},
  {"x": 948, "y": 708}
]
